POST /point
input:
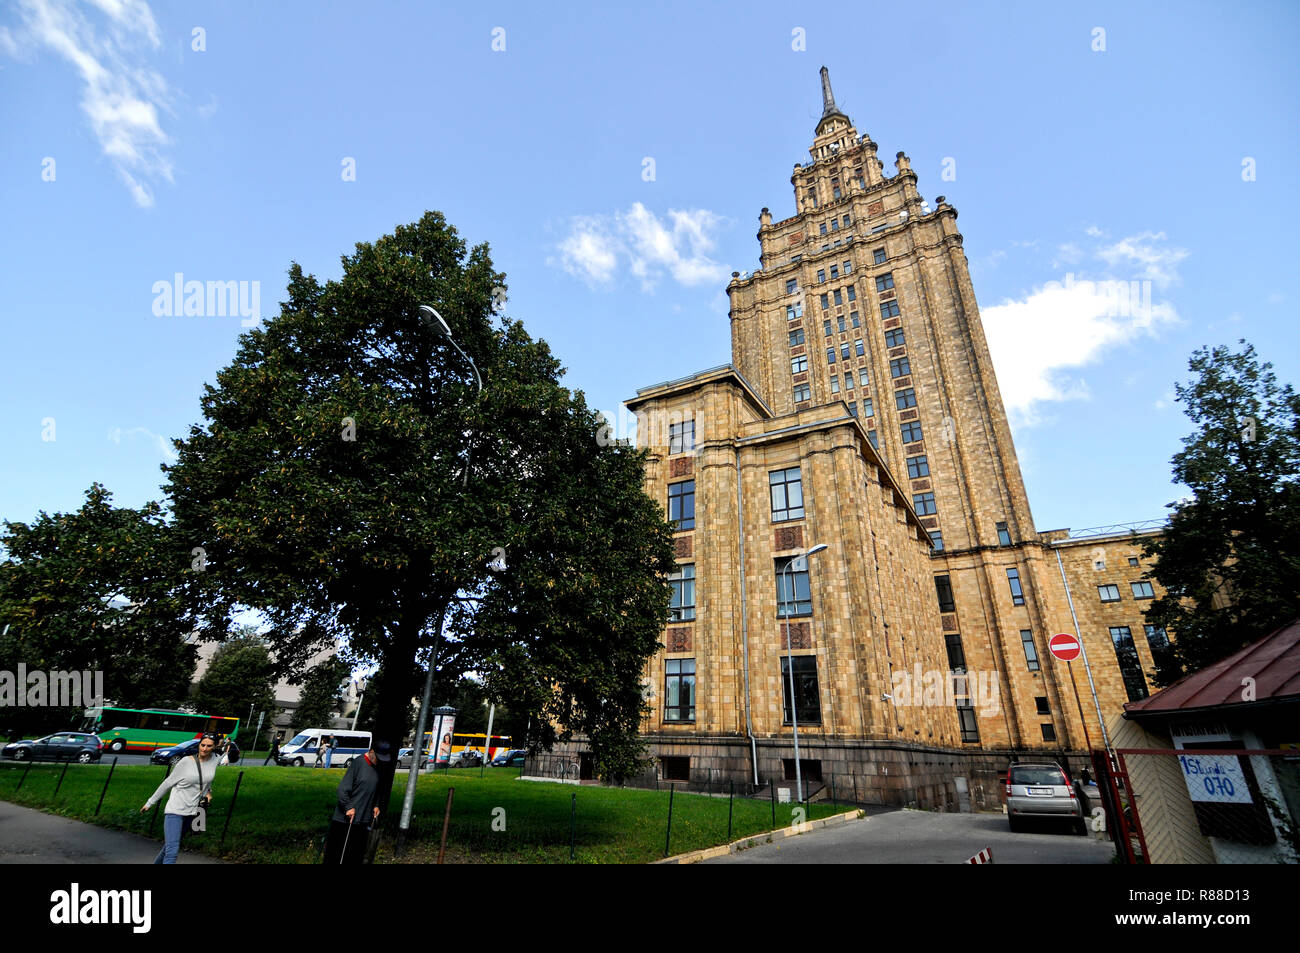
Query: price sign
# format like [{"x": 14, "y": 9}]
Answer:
[{"x": 1214, "y": 778}]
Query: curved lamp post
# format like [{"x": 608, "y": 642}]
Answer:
[{"x": 789, "y": 655}]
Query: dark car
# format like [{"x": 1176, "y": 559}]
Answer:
[
  {"x": 174, "y": 753},
  {"x": 63, "y": 746},
  {"x": 468, "y": 758},
  {"x": 514, "y": 758}
]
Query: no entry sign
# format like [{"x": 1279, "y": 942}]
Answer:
[{"x": 1064, "y": 647}]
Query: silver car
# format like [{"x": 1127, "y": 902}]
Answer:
[{"x": 1038, "y": 791}]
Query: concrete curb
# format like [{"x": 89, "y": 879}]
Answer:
[{"x": 794, "y": 830}]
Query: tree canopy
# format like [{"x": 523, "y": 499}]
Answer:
[
  {"x": 350, "y": 481},
  {"x": 237, "y": 681},
  {"x": 322, "y": 694},
  {"x": 97, "y": 589},
  {"x": 1230, "y": 557}
]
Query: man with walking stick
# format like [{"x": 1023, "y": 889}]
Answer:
[{"x": 356, "y": 807}]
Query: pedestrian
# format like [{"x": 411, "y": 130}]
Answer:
[
  {"x": 320, "y": 752},
  {"x": 190, "y": 783},
  {"x": 329, "y": 751},
  {"x": 356, "y": 811},
  {"x": 275, "y": 751}
]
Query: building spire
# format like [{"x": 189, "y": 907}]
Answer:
[{"x": 828, "y": 98}]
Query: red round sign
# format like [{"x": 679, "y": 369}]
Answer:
[{"x": 1064, "y": 647}]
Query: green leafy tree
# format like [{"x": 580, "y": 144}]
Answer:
[
  {"x": 97, "y": 589},
  {"x": 1230, "y": 557},
  {"x": 238, "y": 680},
  {"x": 322, "y": 693},
  {"x": 349, "y": 479}
]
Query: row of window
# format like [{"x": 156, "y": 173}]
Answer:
[
  {"x": 834, "y": 272},
  {"x": 943, "y": 585},
  {"x": 680, "y": 690},
  {"x": 878, "y": 256},
  {"x": 793, "y": 592},
  {"x": 1141, "y": 590},
  {"x": 786, "y": 488},
  {"x": 838, "y": 296}
]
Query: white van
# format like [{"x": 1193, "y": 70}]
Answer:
[{"x": 301, "y": 749}]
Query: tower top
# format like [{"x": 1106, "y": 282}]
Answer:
[{"x": 829, "y": 108}]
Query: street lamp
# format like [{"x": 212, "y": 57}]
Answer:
[
  {"x": 360, "y": 687},
  {"x": 408, "y": 801},
  {"x": 789, "y": 657}
]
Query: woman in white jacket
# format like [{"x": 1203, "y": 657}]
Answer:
[{"x": 190, "y": 783}]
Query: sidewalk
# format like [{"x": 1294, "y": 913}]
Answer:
[{"x": 30, "y": 837}]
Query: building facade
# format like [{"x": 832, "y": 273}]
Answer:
[{"x": 861, "y": 411}]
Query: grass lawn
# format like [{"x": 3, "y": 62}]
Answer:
[{"x": 281, "y": 814}]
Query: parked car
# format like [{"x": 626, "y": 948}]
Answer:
[
  {"x": 466, "y": 758},
  {"x": 514, "y": 758},
  {"x": 63, "y": 746},
  {"x": 1041, "y": 791},
  {"x": 406, "y": 755},
  {"x": 186, "y": 748}
]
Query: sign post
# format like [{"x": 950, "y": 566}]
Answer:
[{"x": 1066, "y": 648}]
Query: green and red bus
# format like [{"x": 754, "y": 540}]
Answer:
[{"x": 143, "y": 730}]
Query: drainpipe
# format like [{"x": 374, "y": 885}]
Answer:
[{"x": 744, "y": 618}]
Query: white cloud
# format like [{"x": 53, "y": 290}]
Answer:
[
  {"x": 120, "y": 98},
  {"x": 1092, "y": 231},
  {"x": 1041, "y": 342},
  {"x": 162, "y": 443},
  {"x": 648, "y": 246}
]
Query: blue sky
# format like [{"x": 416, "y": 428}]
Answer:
[{"x": 214, "y": 140}]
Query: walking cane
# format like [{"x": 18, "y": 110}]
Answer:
[{"x": 345, "y": 840}]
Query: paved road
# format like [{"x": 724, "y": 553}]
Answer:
[
  {"x": 31, "y": 837},
  {"x": 921, "y": 837}
]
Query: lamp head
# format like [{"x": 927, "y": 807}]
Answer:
[
  {"x": 437, "y": 317},
  {"x": 817, "y": 549}
]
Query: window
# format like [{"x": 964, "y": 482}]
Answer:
[
  {"x": 889, "y": 309},
  {"x": 885, "y": 282},
  {"x": 1004, "y": 538},
  {"x": 826, "y": 302},
  {"x": 853, "y": 408},
  {"x": 1040, "y": 702},
  {"x": 878, "y": 256},
  {"x": 1108, "y": 593},
  {"x": 848, "y": 267},
  {"x": 894, "y": 337},
  {"x": 847, "y": 221},
  {"x": 1129, "y": 664},
  {"x": 1156, "y": 638},
  {"x": 848, "y": 381},
  {"x": 681, "y": 504},
  {"x": 1017, "y": 594},
  {"x": 838, "y": 296},
  {"x": 835, "y": 272},
  {"x": 858, "y": 349},
  {"x": 821, "y": 276},
  {"x": 793, "y": 597},
  {"x": 872, "y": 438},
  {"x": 793, "y": 311},
  {"x": 826, "y": 327},
  {"x": 787, "y": 494},
  {"x": 936, "y": 537},
  {"x": 791, "y": 286},
  {"x": 853, "y": 293},
  {"x": 1132, "y": 561},
  {"x": 917, "y": 467},
  {"x": 853, "y": 319},
  {"x": 970, "y": 732},
  {"x": 799, "y": 364},
  {"x": 905, "y": 398},
  {"x": 681, "y": 437},
  {"x": 823, "y": 228},
  {"x": 679, "y": 689},
  {"x": 943, "y": 588},
  {"x": 830, "y": 355},
  {"x": 923, "y": 503},
  {"x": 899, "y": 367},
  {"x": 1031, "y": 652},
  {"x": 795, "y": 259},
  {"x": 867, "y": 409},
  {"x": 836, "y": 192},
  {"x": 681, "y": 608},
  {"x": 911, "y": 431},
  {"x": 812, "y": 197},
  {"x": 1142, "y": 590},
  {"x": 796, "y": 337},
  {"x": 675, "y": 768},
  {"x": 835, "y": 384},
  {"x": 956, "y": 657},
  {"x": 844, "y": 350},
  {"x": 807, "y": 701},
  {"x": 1049, "y": 731},
  {"x": 839, "y": 320},
  {"x": 863, "y": 377},
  {"x": 835, "y": 225},
  {"x": 802, "y": 392}
]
